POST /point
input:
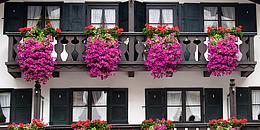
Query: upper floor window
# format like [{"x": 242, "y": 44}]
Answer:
[
  {"x": 40, "y": 15},
  {"x": 5, "y": 107},
  {"x": 163, "y": 15},
  {"x": 219, "y": 16},
  {"x": 256, "y": 104}
]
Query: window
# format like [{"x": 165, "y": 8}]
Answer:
[
  {"x": 184, "y": 106},
  {"x": 89, "y": 105},
  {"x": 161, "y": 15},
  {"x": 41, "y": 15},
  {"x": 5, "y": 107},
  {"x": 256, "y": 104},
  {"x": 219, "y": 16},
  {"x": 106, "y": 16}
]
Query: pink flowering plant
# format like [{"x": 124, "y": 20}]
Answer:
[
  {"x": 223, "y": 50},
  {"x": 36, "y": 124},
  {"x": 34, "y": 53},
  {"x": 163, "y": 50},
  {"x": 157, "y": 124},
  {"x": 230, "y": 124},
  {"x": 102, "y": 53},
  {"x": 91, "y": 125}
]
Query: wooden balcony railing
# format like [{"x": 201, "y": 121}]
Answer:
[{"x": 70, "y": 47}]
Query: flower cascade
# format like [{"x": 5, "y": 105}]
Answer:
[
  {"x": 223, "y": 50},
  {"x": 230, "y": 124},
  {"x": 34, "y": 53},
  {"x": 91, "y": 125},
  {"x": 34, "y": 125},
  {"x": 157, "y": 124},
  {"x": 102, "y": 53},
  {"x": 164, "y": 50}
]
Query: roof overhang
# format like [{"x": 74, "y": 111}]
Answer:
[{"x": 256, "y": 1}]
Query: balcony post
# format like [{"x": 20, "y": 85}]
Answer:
[
  {"x": 233, "y": 102},
  {"x": 131, "y": 17},
  {"x": 37, "y": 100}
]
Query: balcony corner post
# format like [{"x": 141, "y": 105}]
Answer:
[
  {"x": 233, "y": 102},
  {"x": 37, "y": 100},
  {"x": 131, "y": 20}
]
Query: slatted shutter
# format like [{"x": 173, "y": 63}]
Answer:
[
  {"x": 213, "y": 103},
  {"x": 140, "y": 16},
  {"x": 243, "y": 102},
  {"x": 246, "y": 17},
  {"x": 123, "y": 16}
]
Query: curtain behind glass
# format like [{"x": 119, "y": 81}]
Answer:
[
  {"x": 193, "y": 106},
  {"x": 110, "y": 18},
  {"x": 154, "y": 17},
  {"x": 228, "y": 17},
  {"x": 210, "y": 13},
  {"x": 174, "y": 99},
  {"x": 99, "y": 110},
  {"x": 96, "y": 17},
  {"x": 167, "y": 17},
  {"x": 80, "y": 100},
  {"x": 34, "y": 12},
  {"x": 53, "y": 12},
  {"x": 256, "y": 104},
  {"x": 5, "y": 99}
]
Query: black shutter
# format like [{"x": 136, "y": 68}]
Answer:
[
  {"x": 213, "y": 103},
  {"x": 60, "y": 105},
  {"x": 22, "y": 105},
  {"x": 15, "y": 16},
  {"x": 191, "y": 19},
  {"x": 155, "y": 101},
  {"x": 243, "y": 102},
  {"x": 118, "y": 106},
  {"x": 246, "y": 17},
  {"x": 73, "y": 17},
  {"x": 123, "y": 16},
  {"x": 140, "y": 16}
]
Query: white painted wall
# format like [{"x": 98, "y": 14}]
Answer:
[{"x": 135, "y": 85}]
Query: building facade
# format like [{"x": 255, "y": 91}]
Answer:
[{"x": 191, "y": 96}]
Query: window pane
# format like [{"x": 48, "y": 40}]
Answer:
[
  {"x": 169, "y": 25},
  {"x": 96, "y": 25},
  {"x": 55, "y": 23},
  {"x": 193, "y": 98},
  {"x": 110, "y": 25},
  {"x": 80, "y": 98},
  {"x": 256, "y": 96},
  {"x": 210, "y": 23},
  {"x": 99, "y": 98},
  {"x": 34, "y": 23},
  {"x": 174, "y": 98},
  {"x": 229, "y": 24},
  {"x": 256, "y": 112},
  {"x": 80, "y": 113},
  {"x": 193, "y": 114},
  {"x": 154, "y": 25},
  {"x": 154, "y": 16},
  {"x": 174, "y": 113},
  {"x": 5, "y": 99},
  {"x": 167, "y": 16},
  {"x": 96, "y": 15},
  {"x": 210, "y": 13},
  {"x": 6, "y": 117},
  {"x": 34, "y": 12},
  {"x": 110, "y": 16},
  {"x": 228, "y": 13},
  {"x": 52, "y": 12},
  {"x": 99, "y": 113}
]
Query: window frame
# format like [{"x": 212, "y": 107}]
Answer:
[
  {"x": 89, "y": 104},
  {"x": 184, "y": 106},
  {"x": 219, "y": 6},
  {"x": 43, "y": 19},
  {"x": 11, "y": 104},
  {"x": 173, "y": 6},
  {"x": 102, "y": 6},
  {"x": 251, "y": 89}
]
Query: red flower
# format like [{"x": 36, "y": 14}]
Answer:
[
  {"x": 243, "y": 121},
  {"x": 146, "y": 25},
  {"x": 177, "y": 28},
  {"x": 58, "y": 30},
  {"x": 220, "y": 120},
  {"x": 40, "y": 124},
  {"x": 211, "y": 122},
  {"x": 9, "y": 126},
  {"x": 89, "y": 27},
  {"x": 225, "y": 121},
  {"x": 72, "y": 125},
  {"x": 110, "y": 126},
  {"x": 21, "y": 125},
  {"x": 235, "y": 121},
  {"x": 120, "y": 30},
  {"x": 86, "y": 125},
  {"x": 168, "y": 121},
  {"x": 238, "y": 29},
  {"x": 116, "y": 27},
  {"x": 49, "y": 24},
  {"x": 150, "y": 120},
  {"x": 209, "y": 29}
]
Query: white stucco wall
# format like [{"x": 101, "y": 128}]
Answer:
[{"x": 136, "y": 85}]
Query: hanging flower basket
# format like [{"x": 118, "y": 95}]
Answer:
[
  {"x": 102, "y": 53},
  {"x": 157, "y": 124},
  {"x": 230, "y": 124},
  {"x": 34, "y": 53},
  {"x": 34, "y": 125},
  {"x": 222, "y": 50},
  {"x": 91, "y": 125},
  {"x": 163, "y": 50}
]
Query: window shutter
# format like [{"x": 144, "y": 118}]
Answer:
[
  {"x": 155, "y": 101},
  {"x": 123, "y": 16},
  {"x": 15, "y": 16},
  {"x": 246, "y": 17},
  {"x": 213, "y": 103},
  {"x": 191, "y": 19},
  {"x": 73, "y": 17},
  {"x": 22, "y": 105},
  {"x": 140, "y": 16},
  {"x": 118, "y": 106},
  {"x": 60, "y": 106},
  {"x": 243, "y": 102}
]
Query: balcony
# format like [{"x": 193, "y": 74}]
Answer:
[{"x": 132, "y": 59}]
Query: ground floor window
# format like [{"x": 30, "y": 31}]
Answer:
[
  {"x": 5, "y": 107},
  {"x": 256, "y": 104}
]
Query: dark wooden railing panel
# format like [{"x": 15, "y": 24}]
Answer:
[{"x": 70, "y": 47}]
